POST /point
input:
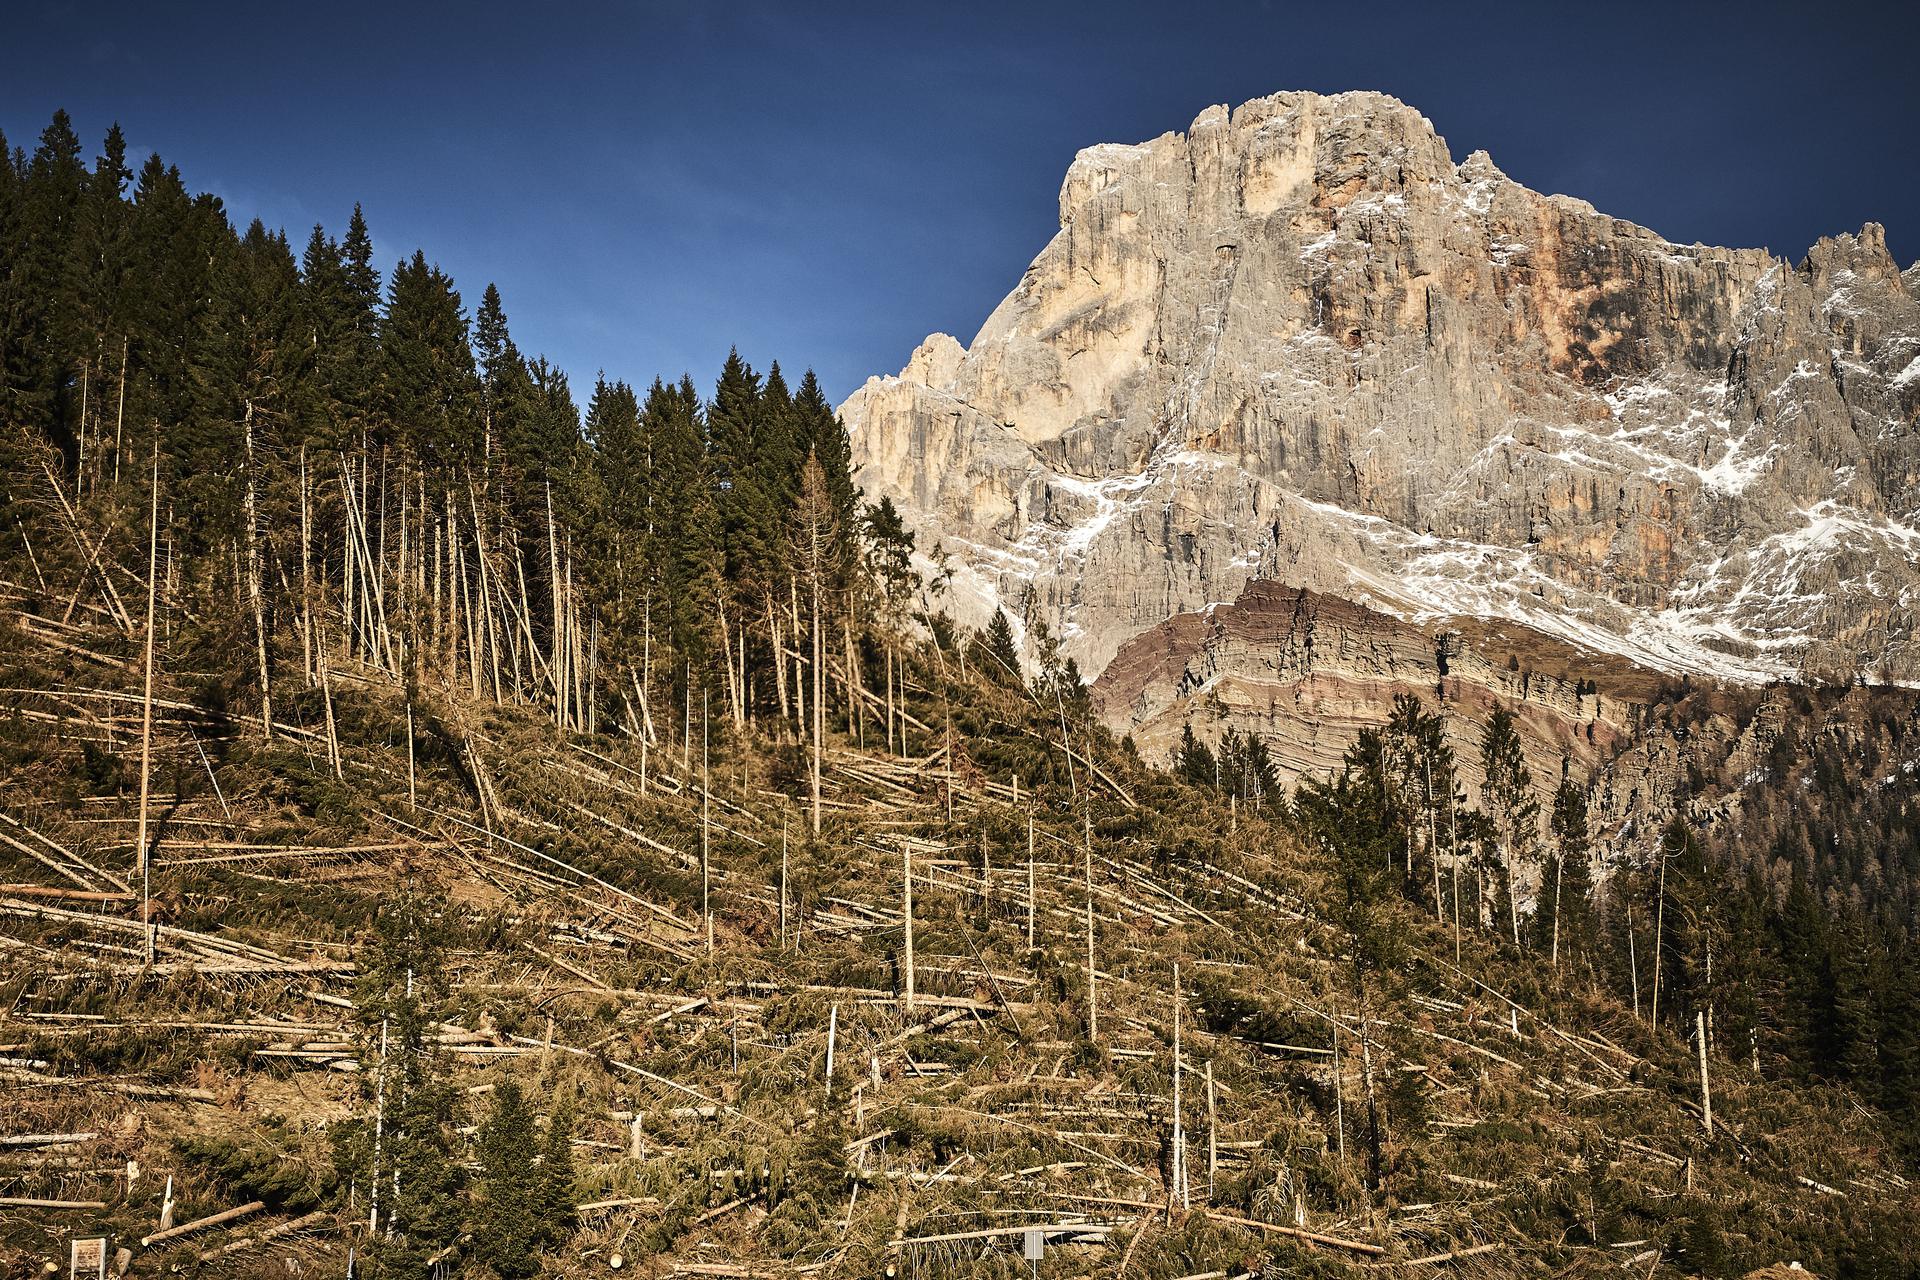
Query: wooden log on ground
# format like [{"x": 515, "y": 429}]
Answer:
[
  {"x": 271, "y": 1233},
  {"x": 1299, "y": 1233},
  {"x": 46, "y": 1139},
  {"x": 198, "y": 1224}
]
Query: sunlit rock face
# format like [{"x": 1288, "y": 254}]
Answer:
[{"x": 1300, "y": 344}]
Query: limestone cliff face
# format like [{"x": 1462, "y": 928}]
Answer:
[{"x": 1300, "y": 344}]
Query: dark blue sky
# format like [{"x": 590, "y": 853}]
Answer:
[{"x": 824, "y": 184}]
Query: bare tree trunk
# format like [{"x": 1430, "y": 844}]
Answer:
[
  {"x": 1093, "y": 1003},
  {"x": 706, "y": 823},
  {"x": 1433, "y": 840},
  {"x": 326, "y": 700},
  {"x": 250, "y": 513},
  {"x": 819, "y": 691},
  {"x": 146, "y": 714},
  {"x": 1559, "y": 869},
  {"x": 80, "y": 467},
  {"x": 1513, "y": 899},
  {"x": 856, "y": 684},
  {"x": 120, "y": 411},
  {"x": 1659, "y": 924},
  {"x": 1339, "y": 1099},
  {"x": 1030, "y": 882},
  {"x": 1376, "y": 1173},
  {"x": 1706, "y": 1086},
  {"x": 726, "y": 662},
  {"x": 1453, "y": 824},
  {"x": 559, "y": 653},
  {"x": 833, "y": 1027},
  {"x": 306, "y": 574},
  {"x": 1178, "y": 1191},
  {"x": 1633, "y": 961},
  {"x": 1213, "y": 1135},
  {"x": 906, "y": 918},
  {"x": 778, "y": 639}
]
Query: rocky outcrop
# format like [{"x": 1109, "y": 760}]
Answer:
[
  {"x": 1300, "y": 344},
  {"x": 1308, "y": 672}
]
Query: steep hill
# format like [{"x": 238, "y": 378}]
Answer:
[{"x": 766, "y": 1072}]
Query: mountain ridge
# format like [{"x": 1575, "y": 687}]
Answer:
[{"x": 1298, "y": 343}]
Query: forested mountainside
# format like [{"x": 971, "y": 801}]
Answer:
[{"x": 446, "y": 834}]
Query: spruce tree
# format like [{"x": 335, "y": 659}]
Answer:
[
  {"x": 824, "y": 435},
  {"x": 40, "y": 383},
  {"x": 101, "y": 252},
  {"x": 398, "y": 1155},
  {"x": 1562, "y": 922},
  {"x": 506, "y": 1221},
  {"x": 1194, "y": 761},
  {"x": 555, "y": 1199},
  {"x": 1508, "y": 796},
  {"x": 994, "y": 651},
  {"x": 428, "y": 385}
]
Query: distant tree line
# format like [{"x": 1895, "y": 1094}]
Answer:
[{"x": 1794, "y": 951}]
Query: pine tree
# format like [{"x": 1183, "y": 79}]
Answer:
[
  {"x": 994, "y": 650},
  {"x": 506, "y": 1221},
  {"x": 399, "y": 1155},
  {"x": 1509, "y": 803},
  {"x": 1194, "y": 761}
]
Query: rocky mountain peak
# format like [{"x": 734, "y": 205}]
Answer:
[{"x": 1298, "y": 344}]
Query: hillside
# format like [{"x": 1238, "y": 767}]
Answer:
[
  {"x": 1522, "y": 1124},
  {"x": 445, "y": 833}
]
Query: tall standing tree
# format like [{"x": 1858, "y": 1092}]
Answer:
[
  {"x": 1566, "y": 883},
  {"x": 1424, "y": 780},
  {"x": 39, "y": 380},
  {"x": 816, "y": 538},
  {"x": 995, "y": 652},
  {"x": 428, "y": 385},
  {"x": 1508, "y": 799},
  {"x": 399, "y": 1155},
  {"x": 1194, "y": 761}
]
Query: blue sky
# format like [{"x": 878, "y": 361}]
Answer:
[{"x": 824, "y": 184}]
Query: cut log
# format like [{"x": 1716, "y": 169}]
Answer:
[{"x": 199, "y": 1224}]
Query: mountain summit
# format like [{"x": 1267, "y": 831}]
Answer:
[{"x": 1300, "y": 344}]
